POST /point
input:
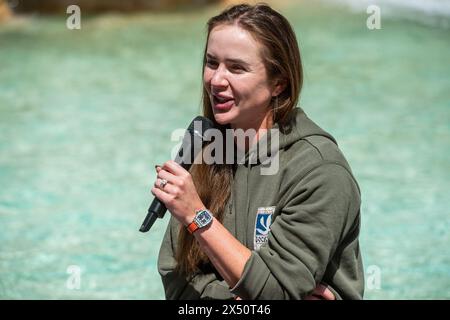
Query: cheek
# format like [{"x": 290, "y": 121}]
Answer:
[
  {"x": 207, "y": 76},
  {"x": 264, "y": 90},
  {"x": 257, "y": 93}
]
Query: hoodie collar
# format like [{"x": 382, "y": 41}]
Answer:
[{"x": 300, "y": 127}]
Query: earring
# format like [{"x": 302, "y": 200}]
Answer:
[{"x": 275, "y": 107}]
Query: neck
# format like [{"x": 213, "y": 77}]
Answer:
[{"x": 260, "y": 126}]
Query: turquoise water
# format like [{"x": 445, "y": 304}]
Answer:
[{"x": 85, "y": 115}]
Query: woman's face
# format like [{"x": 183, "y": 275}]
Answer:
[{"x": 236, "y": 79}]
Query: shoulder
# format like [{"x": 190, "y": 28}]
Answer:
[
  {"x": 311, "y": 152},
  {"x": 314, "y": 163},
  {"x": 325, "y": 188}
]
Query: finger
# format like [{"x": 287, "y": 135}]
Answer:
[
  {"x": 167, "y": 188},
  {"x": 323, "y": 291},
  {"x": 158, "y": 185},
  {"x": 174, "y": 168},
  {"x": 326, "y": 293},
  {"x": 161, "y": 195},
  {"x": 163, "y": 174},
  {"x": 311, "y": 297}
]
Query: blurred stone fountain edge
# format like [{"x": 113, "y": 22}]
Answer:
[
  {"x": 5, "y": 11},
  {"x": 96, "y": 6}
]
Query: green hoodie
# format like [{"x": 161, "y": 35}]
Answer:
[{"x": 302, "y": 225}]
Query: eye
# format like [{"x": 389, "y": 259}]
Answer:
[
  {"x": 237, "y": 68},
  {"x": 211, "y": 63}
]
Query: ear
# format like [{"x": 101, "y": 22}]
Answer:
[{"x": 279, "y": 86}]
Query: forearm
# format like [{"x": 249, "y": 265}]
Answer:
[{"x": 225, "y": 252}]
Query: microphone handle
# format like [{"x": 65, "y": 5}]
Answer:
[{"x": 157, "y": 210}]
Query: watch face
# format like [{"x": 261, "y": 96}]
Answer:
[{"x": 203, "y": 218}]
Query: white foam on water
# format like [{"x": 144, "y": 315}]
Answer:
[{"x": 430, "y": 12}]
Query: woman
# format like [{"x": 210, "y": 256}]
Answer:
[{"x": 288, "y": 235}]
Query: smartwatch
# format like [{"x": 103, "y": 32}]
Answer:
[{"x": 202, "y": 219}]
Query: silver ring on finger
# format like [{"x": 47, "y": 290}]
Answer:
[{"x": 163, "y": 183}]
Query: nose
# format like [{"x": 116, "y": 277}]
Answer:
[{"x": 219, "y": 79}]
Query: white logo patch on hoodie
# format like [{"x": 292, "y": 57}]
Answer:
[{"x": 262, "y": 226}]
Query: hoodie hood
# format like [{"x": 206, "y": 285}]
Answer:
[{"x": 300, "y": 127}]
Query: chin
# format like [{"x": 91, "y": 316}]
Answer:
[
  {"x": 224, "y": 118},
  {"x": 220, "y": 119}
]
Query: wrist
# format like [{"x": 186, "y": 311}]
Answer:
[
  {"x": 203, "y": 218},
  {"x": 187, "y": 219}
]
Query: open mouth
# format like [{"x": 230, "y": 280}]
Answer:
[{"x": 222, "y": 103}]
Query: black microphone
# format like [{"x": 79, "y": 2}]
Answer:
[{"x": 193, "y": 142}]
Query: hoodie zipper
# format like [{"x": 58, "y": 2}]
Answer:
[{"x": 247, "y": 207}]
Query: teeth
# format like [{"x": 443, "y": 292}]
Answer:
[{"x": 221, "y": 99}]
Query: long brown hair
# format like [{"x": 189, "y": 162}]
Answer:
[{"x": 282, "y": 60}]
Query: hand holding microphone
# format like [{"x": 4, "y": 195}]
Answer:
[
  {"x": 192, "y": 144},
  {"x": 175, "y": 188}
]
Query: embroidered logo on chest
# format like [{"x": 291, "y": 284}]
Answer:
[{"x": 262, "y": 226}]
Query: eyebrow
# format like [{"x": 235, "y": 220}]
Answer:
[{"x": 238, "y": 61}]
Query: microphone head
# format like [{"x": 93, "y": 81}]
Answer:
[
  {"x": 193, "y": 141},
  {"x": 204, "y": 122}
]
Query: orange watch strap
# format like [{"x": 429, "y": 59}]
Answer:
[{"x": 192, "y": 227}]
